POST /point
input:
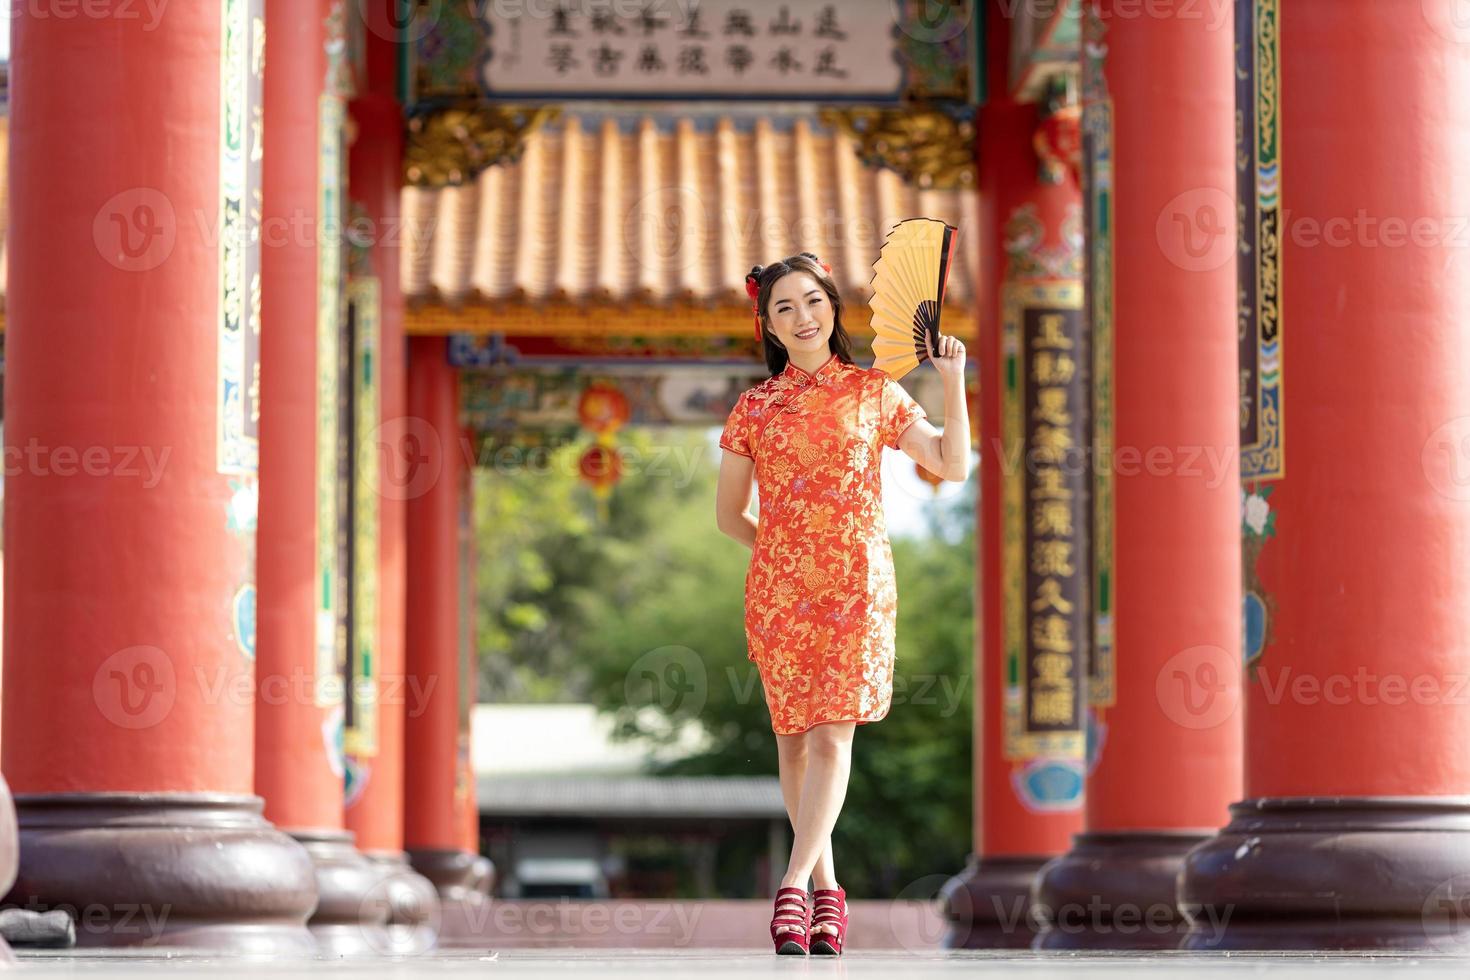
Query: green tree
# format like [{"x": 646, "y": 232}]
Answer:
[{"x": 643, "y": 615}]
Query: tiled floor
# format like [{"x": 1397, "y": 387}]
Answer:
[{"x": 718, "y": 964}]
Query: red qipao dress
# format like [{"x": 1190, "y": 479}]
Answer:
[{"x": 820, "y": 598}]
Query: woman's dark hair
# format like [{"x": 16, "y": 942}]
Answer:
[{"x": 766, "y": 277}]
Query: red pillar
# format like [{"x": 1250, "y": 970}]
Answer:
[
  {"x": 375, "y": 812},
  {"x": 131, "y": 424},
  {"x": 1168, "y": 757},
  {"x": 481, "y": 881},
  {"x": 434, "y": 786},
  {"x": 1354, "y": 832},
  {"x": 1027, "y": 790},
  {"x": 299, "y": 712}
]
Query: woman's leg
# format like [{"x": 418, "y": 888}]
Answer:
[
  {"x": 828, "y": 751},
  {"x": 791, "y": 752}
]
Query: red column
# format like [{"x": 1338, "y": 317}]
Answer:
[
  {"x": 480, "y": 881},
  {"x": 131, "y": 433},
  {"x": 375, "y": 166},
  {"x": 434, "y": 818},
  {"x": 1161, "y": 117},
  {"x": 9, "y": 855},
  {"x": 299, "y": 713},
  {"x": 1027, "y": 797},
  {"x": 1353, "y": 832}
]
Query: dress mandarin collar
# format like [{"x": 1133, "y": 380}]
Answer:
[{"x": 829, "y": 369}]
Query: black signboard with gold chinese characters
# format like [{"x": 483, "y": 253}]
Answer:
[{"x": 1045, "y": 494}]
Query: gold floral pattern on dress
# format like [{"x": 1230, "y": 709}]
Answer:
[{"x": 820, "y": 597}]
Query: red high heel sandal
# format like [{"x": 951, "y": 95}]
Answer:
[
  {"x": 830, "y": 908},
  {"x": 791, "y": 925}
]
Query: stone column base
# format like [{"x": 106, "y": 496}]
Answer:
[
  {"x": 1333, "y": 873},
  {"x": 463, "y": 881},
  {"x": 348, "y": 921},
  {"x": 414, "y": 912},
  {"x": 9, "y": 855},
  {"x": 188, "y": 870},
  {"x": 1114, "y": 890},
  {"x": 988, "y": 905}
]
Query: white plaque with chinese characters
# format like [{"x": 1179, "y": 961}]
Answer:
[{"x": 680, "y": 49}]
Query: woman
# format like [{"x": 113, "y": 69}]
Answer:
[{"x": 820, "y": 597}]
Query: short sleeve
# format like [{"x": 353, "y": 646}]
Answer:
[
  {"x": 899, "y": 411},
  {"x": 736, "y": 436}
]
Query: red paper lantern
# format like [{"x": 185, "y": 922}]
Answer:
[
  {"x": 928, "y": 476},
  {"x": 600, "y": 467},
  {"x": 603, "y": 408}
]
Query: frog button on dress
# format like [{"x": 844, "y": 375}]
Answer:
[{"x": 820, "y": 598}]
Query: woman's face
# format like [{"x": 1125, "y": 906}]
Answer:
[{"x": 801, "y": 314}]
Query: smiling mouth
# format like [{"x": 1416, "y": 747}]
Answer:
[{"x": 808, "y": 334}]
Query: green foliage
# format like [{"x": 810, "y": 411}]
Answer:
[{"x": 643, "y": 616}]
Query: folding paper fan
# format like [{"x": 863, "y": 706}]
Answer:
[{"x": 908, "y": 291}]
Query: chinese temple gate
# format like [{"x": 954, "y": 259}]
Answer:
[{"x": 265, "y": 301}]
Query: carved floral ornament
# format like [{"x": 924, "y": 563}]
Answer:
[
  {"x": 926, "y": 146},
  {"x": 452, "y": 145}
]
